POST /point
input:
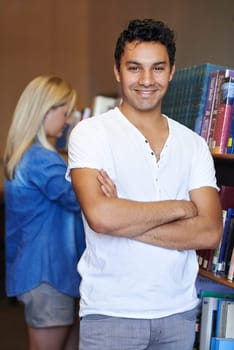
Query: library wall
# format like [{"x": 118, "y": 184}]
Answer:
[{"x": 76, "y": 39}]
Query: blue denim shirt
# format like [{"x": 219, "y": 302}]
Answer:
[{"x": 44, "y": 228}]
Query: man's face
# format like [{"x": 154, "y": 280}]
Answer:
[{"x": 144, "y": 75}]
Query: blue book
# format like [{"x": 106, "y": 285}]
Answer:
[
  {"x": 222, "y": 344},
  {"x": 221, "y": 262}
]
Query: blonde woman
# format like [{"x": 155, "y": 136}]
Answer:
[{"x": 44, "y": 229}]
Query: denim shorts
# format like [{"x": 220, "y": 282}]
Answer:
[
  {"x": 167, "y": 333},
  {"x": 46, "y": 307}
]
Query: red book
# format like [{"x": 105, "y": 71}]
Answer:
[
  {"x": 224, "y": 116},
  {"x": 222, "y": 74},
  {"x": 227, "y": 196}
]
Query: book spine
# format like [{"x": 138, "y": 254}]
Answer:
[
  {"x": 220, "y": 77},
  {"x": 222, "y": 128},
  {"x": 229, "y": 318},
  {"x": 229, "y": 246},
  {"x": 226, "y": 194},
  {"x": 230, "y": 142},
  {"x": 209, "y": 105},
  {"x": 221, "y": 266},
  {"x": 221, "y": 344},
  {"x": 224, "y": 116},
  {"x": 230, "y": 275},
  {"x": 209, "y": 306},
  {"x": 217, "y": 250}
]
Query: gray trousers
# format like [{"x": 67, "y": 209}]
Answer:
[{"x": 100, "y": 332}]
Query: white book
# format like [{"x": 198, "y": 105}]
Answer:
[
  {"x": 229, "y": 329},
  {"x": 208, "y": 321}
]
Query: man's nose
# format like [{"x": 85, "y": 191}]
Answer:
[{"x": 146, "y": 78}]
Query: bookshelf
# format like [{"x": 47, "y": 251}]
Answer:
[
  {"x": 224, "y": 165},
  {"x": 216, "y": 278}
]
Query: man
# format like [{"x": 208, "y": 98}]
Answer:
[{"x": 139, "y": 268}]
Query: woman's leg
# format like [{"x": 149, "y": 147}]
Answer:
[
  {"x": 51, "y": 338},
  {"x": 73, "y": 338},
  {"x": 50, "y": 318}
]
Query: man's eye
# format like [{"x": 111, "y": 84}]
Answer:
[
  {"x": 158, "y": 68},
  {"x": 134, "y": 68}
]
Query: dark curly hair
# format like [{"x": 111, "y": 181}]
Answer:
[{"x": 146, "y": 30}]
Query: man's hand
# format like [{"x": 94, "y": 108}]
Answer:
[
  {"x": 190, "y": 209},
  {"x": 107, "y": 185}
]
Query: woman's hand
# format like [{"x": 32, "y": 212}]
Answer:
[{"x": 107, "y": 185}]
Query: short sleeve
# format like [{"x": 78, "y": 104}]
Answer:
[
  {"x": 203, "y": 170},
  {"x": 86, "y": 146}
]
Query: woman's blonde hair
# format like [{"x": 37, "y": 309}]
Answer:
[{"x": 40, "y": 95}]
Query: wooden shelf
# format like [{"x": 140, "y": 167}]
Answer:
[
  {"x": 216, "y": 278},
  {"x": 226, "y": 157}
]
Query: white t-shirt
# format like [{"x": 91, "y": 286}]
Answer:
[{"x": 122, "y": 277}]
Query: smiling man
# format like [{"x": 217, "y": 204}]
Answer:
[{"x": 139, "y": 268}]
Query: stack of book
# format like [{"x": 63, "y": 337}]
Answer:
[
  {"x": 202, "y": 98},
  {"x": 217, "y": 322},
  {"x": 217, "y": 125},
  {"x": 221, "y": 260},
  {"x": 185, "y": 100}
]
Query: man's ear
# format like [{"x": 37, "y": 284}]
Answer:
[
  {"x": 172, "y": 72},
  {"x": 116, "y": 72}
]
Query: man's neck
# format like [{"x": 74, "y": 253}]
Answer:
[{"x": 150, "y": 119}]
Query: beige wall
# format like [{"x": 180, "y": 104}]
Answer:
[{"x": 76, "y": 39}]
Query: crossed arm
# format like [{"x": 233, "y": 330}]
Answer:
[{"x": 172, "y": 224}]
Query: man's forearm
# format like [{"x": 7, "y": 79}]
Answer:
[
  {"x": 193, "y": 233},
  {"x": 120, "y": 217}
]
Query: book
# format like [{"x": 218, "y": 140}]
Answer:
[
  {"x": 221, "y": 344},
  {"x": 224, "y": 116},
  {"x": 215, "y": 259},
  {"x": 225, "y": 319},
  {"x": 222, "y": 74},
  {"x": 206, "y": 120},
  {"x": 226, "y": 194},
  {"x": 208, "y": 321},
  {"x": 230, "y": 274},
  {"x": 230, "y": 142},
  {"x": 208, "y": 260},
  {"x": 229, "y": 246},
  {"x": 221, "y": 264},
  {"x": 205, "y": 258},
  {"x": 214, "y": 294},
  {"x": 185, "y": 100},
  {"x": 229, "y": 321},
  {"x": 216, "y": 318}
]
